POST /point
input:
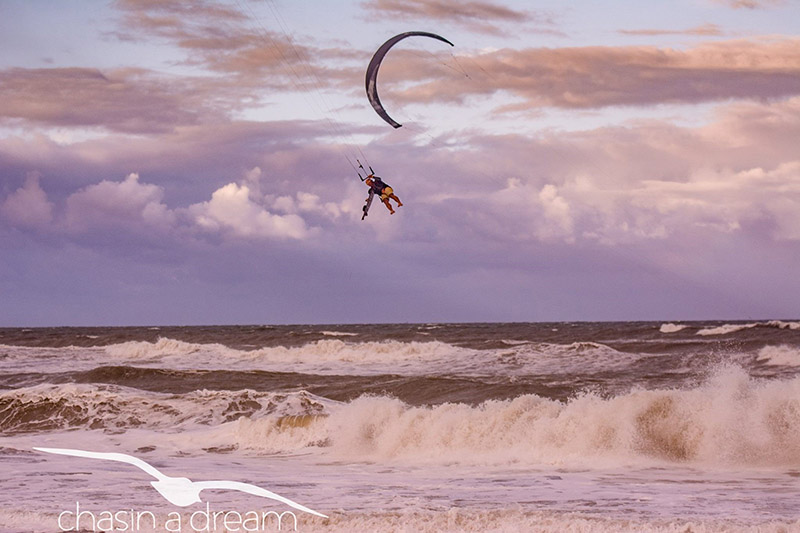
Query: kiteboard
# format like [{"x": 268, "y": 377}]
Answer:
[{"x": 367, "y": 204}]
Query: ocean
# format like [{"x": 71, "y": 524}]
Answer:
[{"x": 632, "y": 426}]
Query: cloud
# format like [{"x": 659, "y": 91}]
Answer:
[
  {"x": 555, "y": 209},
  {"x": 599, "y": 76},
  {"x": 242, "y": 210},
  {"x": 189, "y": 162},
  {"x": 751, "y": 4},
  {"x": 484, "y": 16},
  {"x": 126, "y": 101},
  {"x": 232, "y": 209},
  {"x": 762, "y": 199},
  {"x": 131, "y": 207},
  {"x": 754, "y": 201},
  {"x": 201, "y": 24},
  {"x": 525, "y": 211},
  {"x": 128, "y": 204},
  {"x": 305, "y": 202},
  {"x": 583, "y": 209},
  {"x": 171, "y": 11},
  {"x": 246, "y": 58},
  {"x": 234, "y": 42},
  {"x": 28, "y": 206},
  {"x": 644, "y": 181},
  {"x": 703, "y": 30}
]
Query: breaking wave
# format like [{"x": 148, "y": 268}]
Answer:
[
  {"x": 320, "y": 356},
  {"x": 134, "y": 350},
  {"x": 731, "y": 419},
  {"x": 782, "y": 355},
  {"x": 734, "y": 328},
  {"x": 325, "y": 356},
  {"x": 330, "y": 356},
  {"x": 671, "y": 328},
  {"x": 116, "y": 409}
]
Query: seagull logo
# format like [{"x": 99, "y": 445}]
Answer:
[{"x": 180, "y": 491}]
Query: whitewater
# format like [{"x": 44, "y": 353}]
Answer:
[{"x": 651, "y": 426}]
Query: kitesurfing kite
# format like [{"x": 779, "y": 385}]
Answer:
[{"x": 375, "y": 63}]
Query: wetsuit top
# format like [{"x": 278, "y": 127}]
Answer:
[{"x": 378, "y": 185}]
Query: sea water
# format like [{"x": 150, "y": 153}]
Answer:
[{"x": 407, "y": 427}]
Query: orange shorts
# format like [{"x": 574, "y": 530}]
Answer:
[{"x": 386, "y": 193}]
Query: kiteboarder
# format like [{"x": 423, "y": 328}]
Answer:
[{"x": 378, "y": 186}]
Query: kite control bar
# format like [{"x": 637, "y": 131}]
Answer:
[{"x": 371, "y": 172}]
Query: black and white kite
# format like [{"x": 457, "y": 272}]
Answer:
[{"x": 372, "y": 71}]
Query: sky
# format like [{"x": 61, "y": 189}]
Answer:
[{"x": 174, "y": 163}]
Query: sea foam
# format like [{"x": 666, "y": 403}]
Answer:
[
  {"x": 782, "y": 355},
  {"x": 452, "y": 520},
  {"x": 671, "y": 328},
  {"x": 729, "y": 420},
  {"x": 324, "y": 356},
  {"x": 114, "y": 408},
  {"x": 734, "y": 328}
]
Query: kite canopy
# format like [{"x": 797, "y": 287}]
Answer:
[{"x": 375, "y": 63}]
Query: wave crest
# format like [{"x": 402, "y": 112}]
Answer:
[
  {"x": 113, "y": 408},
  {"x": 315, "y": 355},
  {"x": 164, "y": 346},
  {"x": 734, "y": 328},
  {"x": 730, "y": 420},
  {"x": 671, "y": 328},
  {"x": 782, "y": 355}
]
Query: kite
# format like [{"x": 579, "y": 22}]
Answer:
[{"x": 375, "y": 63}]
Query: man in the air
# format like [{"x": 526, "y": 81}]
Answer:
[{"x": 379, "y": 187}]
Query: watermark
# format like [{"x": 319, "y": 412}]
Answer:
[
  {"x": 178, "y": 491},
  {"x": 130, "y": 520}
]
